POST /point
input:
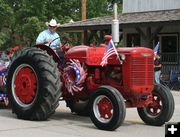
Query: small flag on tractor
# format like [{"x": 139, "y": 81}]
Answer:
[
  {"x": 110, "y": 50},
  {"x": 156, "y": 48}
]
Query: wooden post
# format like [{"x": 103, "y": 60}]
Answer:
[
  {"x": 83, "y": 18},
  {"x": 83, "y": 9},
  {"x": 149, "y": 36}
]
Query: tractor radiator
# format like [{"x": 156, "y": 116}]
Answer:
[{"x": 142, "y": 71}]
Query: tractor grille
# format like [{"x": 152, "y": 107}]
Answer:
[{"x": 142, "y": 71}]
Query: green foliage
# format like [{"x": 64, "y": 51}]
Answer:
[
  {"x": 5, "y": 14},
  {"x": 31, "y": 29},
  {"x": 6, "y": 18},
  {"x": 22, "y": 20},
  {"x": 3, "y": 38}
]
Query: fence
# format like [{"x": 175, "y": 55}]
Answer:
[{"x": 171, "y": 63}]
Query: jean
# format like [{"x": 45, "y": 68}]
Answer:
[{"x": 157, "y": 76}]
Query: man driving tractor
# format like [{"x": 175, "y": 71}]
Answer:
[{"x": 50, "y": 35}]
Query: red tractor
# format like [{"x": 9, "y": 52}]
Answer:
[{"x": 38, "y": 77}]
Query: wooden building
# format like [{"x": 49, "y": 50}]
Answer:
[{"x": 142, "y": 23}]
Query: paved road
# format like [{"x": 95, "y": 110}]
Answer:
[{"x": 65, "y": 124}]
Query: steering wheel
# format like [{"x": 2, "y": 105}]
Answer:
[
  {"x": 49, "y": 44},
  {"x": 63, "y": 48}
]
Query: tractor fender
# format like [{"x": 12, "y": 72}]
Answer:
[{"x": 51, "y": 52}]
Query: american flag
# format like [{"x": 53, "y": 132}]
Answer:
[
  {"x": 110, "y": 50},
  {"x": 156, "y": 48}
]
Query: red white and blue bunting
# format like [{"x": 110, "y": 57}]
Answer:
[{"x": 74, "y": 76}]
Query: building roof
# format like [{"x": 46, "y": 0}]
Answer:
[{"x": 126, "y": 20}]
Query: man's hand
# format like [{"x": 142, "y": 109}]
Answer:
[{"x": 47, "y": 41}]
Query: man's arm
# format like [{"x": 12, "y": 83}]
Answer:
[
  {"x": 43, "y": 42},
  {"x": 42, "y": 39}
]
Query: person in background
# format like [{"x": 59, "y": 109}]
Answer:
[
  {"x": 157, "y": 68},
  {"x": 50, "y": 35}
]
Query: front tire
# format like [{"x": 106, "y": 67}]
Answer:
[
  {"x": 33, "y": 85},
  {"x": 107, "y": 108},
  {"x": 161, "y": 109}
]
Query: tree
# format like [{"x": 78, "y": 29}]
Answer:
[
  {"x": 22, "y": 20},
  {"x": 6, "y": 17},
  {"x": 29, "y": 15}
]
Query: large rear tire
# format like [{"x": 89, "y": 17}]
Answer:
[
  {"x": 33, "y": 85},
  {"x": 161, "y": 109},
  {"x": 107, "y": 108}
]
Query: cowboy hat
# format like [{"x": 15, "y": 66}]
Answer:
[{"x": 53, "y": 23}]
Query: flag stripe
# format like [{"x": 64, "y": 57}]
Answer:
[
  {"x": 107, "y": 56},
  {"x": 110, "y": 50}
]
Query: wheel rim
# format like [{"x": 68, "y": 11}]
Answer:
[
  {"x": 103, "y": 109},
  {"x": 155, "y": 108},
  {"x": 24, "y": 85}
]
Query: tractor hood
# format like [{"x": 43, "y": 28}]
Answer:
[
  {"x": 77, "y": 52},
  {"x": 94, "y": 55}
]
